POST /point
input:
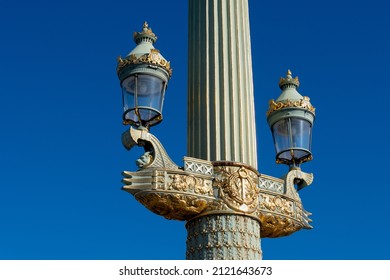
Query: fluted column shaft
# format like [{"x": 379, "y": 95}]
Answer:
[{"x": 221, "y": 118}]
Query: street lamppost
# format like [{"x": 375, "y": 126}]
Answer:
[{"x": 227, "y": 204}]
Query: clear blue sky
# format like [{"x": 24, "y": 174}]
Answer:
[{"x": 61, "y": 155}]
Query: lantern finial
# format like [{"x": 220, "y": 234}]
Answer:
[
  {"x": 145, "y": 35},
  {"x": 288, "y": 81}
]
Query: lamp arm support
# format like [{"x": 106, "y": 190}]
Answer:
[
  {"x": 155, "y": 155},
  {"x": 301, "y": 179},
  {"x": 296, "y": 177}
]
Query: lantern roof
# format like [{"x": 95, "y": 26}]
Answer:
[
  {"x": 289, "y": 86},
  {"x": 143, "y": 54},
  {"x": 290, "y": 97}
]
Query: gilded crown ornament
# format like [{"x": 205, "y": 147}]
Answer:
[
  {"x": 289, "y": 80},
  {"x": 146, "y": 32}
]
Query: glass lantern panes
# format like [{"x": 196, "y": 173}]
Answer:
[
  {"x": 292, "y": 138},
  {"x": 143, "y": 97}
]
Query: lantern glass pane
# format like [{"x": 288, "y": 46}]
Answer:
[
  {"x": 150, "y": 96},
  {"x": 301, "y": 139},
  {"x": 301, "y": 133},
  {"x": 292, "y": 138},
  {"x": 280, "y": 133},
  {"x": 145, "y": 94},
  {"x": 128, "y": 97}
]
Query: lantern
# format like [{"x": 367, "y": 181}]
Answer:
[
  {"x": 291, "y": 119},
  {"x": 144, "y": 75}
]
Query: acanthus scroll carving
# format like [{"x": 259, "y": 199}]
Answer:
[
  {"x": 173, "y": 206},
  {"x": 189, "y": 183}
]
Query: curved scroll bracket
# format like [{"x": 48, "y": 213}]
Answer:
[
  {"x": 301, "y": 179},
  {"x": 155, "y": 154}
]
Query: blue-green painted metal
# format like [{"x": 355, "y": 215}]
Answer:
[
  {"x": 223, "y": 237},
  {"x": 291, "y": 117},
  {"x": 290, "y": 95},
  {"x": 133, "y": 62}
]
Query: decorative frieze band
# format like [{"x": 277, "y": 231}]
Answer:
[
  {"x": 228, "y": 188},
  {"x": 198, "y": 166}
]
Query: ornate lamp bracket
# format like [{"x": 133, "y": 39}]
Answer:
[
  {"x": 201, "y": 188},
  {"x": 155, "y": 154},
  {"x": 301, "y": 179},
  {"x": 160, "y": 185}
]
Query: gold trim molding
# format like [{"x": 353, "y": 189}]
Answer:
[
  {"x": 300, "y": 104},
  {"x": 153, "y": 57},
  {"x": 183, "y": 195}
]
